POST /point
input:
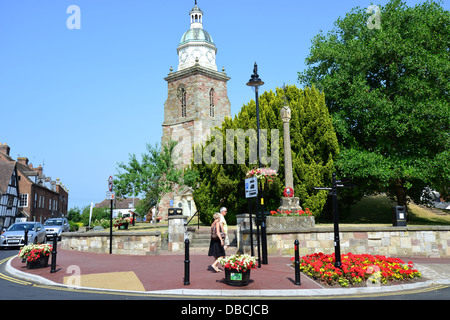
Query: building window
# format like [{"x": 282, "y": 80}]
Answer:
[
  {"x": 211, "y": 102},
  {"x": 10, "y": 202},
  {"x": 181, "y": 94},
  {"x": 23, "y": 200},
  {"x": 183, "y": 102}
]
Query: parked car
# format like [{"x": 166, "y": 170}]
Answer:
[
  {"x": 15, "y": 235},
  {"x": 56, "y": 225}
]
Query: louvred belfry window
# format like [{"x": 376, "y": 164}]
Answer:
[
  {"x": 211, "y": 102},
  {"x": 182, "y": 96},
  {"x": 183, "y": 103}
]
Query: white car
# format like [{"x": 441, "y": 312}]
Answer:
[{"x": 14, "y": 236}]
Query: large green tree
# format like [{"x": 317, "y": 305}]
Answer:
[
  {"x": 385, "y": 75},
  {"x": 152, "y": 176},
  {"x": 313, "y": 144}
]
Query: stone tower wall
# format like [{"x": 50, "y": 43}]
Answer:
[{"x": 195, "y": 126}]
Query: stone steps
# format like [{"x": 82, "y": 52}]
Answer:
[{"x": 201, "y": 238}]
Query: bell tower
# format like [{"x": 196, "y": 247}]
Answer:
[{"x": 197, "y": 98}]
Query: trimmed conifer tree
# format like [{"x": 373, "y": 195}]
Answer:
[{"x": 314, "y": 147}]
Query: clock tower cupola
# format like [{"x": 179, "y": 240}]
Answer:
[{"x": 196, "y": 44}]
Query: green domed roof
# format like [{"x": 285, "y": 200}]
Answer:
[{"x": 196, "y": 34}]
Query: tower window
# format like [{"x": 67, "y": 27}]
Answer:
[
  {"x": 182, "y": 96},
  {"x": 211, "y": 102},
  {"x": 183, "y": 103}
]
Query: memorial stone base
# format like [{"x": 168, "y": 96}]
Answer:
[{"x": 289, "y": 204}]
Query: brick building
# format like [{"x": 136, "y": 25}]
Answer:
[
  {"x": 197, "y": 101},
  {"x": 40, "y": 197},
  {"x": 121, "y": 206}
]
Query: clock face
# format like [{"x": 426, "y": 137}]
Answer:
[
  {"x": 210, "y": 56},
  {"x": 183, "y": 56},
  {"x": 196, "y": 53}
]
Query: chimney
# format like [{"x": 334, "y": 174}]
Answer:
[
  {"x": 39, "y": 170},
  {"x": 23, "y": 160},
  {"x": 4, "y": 149}
]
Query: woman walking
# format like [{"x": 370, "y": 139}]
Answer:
[{"x": 216, "y": 249}]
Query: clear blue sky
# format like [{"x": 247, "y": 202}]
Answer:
[{"x": 80, "y": 101}]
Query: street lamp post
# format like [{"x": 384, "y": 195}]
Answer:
[{"x": 255, "y": 82}]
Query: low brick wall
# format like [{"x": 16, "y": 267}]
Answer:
[
  {"x": 131, "y": 242},
  {"x": 410, "y": 241}
]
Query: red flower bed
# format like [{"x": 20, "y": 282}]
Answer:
[
  {"x": 290, "y": 213},
  {"x": 357, "y": 269}
]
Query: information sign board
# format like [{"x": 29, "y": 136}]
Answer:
[{"x": 251, "y": 187}]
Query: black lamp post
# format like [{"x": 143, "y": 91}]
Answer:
[{"x": 255, "y": 82}]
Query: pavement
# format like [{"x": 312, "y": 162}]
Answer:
[{"x": 163, "y": 275}]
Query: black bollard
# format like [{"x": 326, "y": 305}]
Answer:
[
  {"x": 186, "y": 262},
  {"x": 25, "y": 238},
  {"x": 25, "y": 241},
  {"x": 297, "y": 264},
  {"x": 53, "y": 266}
]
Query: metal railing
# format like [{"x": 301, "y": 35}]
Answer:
[{"x": 198, "y": 220}]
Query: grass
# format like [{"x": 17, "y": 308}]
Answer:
[
  {"x": 144, "y": 226},
  {"x": 421, "y": 215},
  {"x": 377, "y": 211}
]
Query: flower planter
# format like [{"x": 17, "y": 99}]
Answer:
[
  {"x": 123, "y": 226},
  {"x": 237, "y": 278},
  {"x": 41, "y": 262},
  {"x": 36, "y": 255},
  {"x": 237, "y": 269}
]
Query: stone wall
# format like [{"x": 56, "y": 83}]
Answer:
[
  {"x": 410, "y": 241},
  {"x": 132, "y": 243}
]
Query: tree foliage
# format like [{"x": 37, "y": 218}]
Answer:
[
  {"x": 313, "y": 144},
  {"x": 388, "y": 92},
  {"x": 98, "y": 214},
  {"x": 151, "y": 177}
]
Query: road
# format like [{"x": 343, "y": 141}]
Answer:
[{"x": 13, "y": 288}]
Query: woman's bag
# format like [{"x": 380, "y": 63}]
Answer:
[{"x": 214, "y": 232}]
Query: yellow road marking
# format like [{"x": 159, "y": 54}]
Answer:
[{"x": 5, "y": 277}]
